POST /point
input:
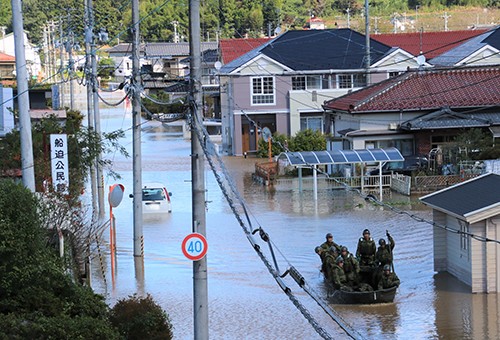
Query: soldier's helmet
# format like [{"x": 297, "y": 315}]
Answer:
[
  {"x": 340, "y": 259},
  {"x": 366, "y": 231},
  {"x": 317, "y": 249},
  {"x": 343, "y": 249},
  {"x": 329, "y": 235},
  {"x": 381, "y": 241},
  {"x": 387, "y": 267},
  {"x": 333, "y": 250}
]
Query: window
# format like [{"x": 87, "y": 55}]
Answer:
[
  {"x": 262, "y": 90},
  {"x": 348, "y": 81},
  {"x": 314, "y": 82},
  {"x": 312, "y": 123},
  {"x": 464, "y": 237}
]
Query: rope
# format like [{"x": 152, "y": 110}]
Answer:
[{"x": 229, "y": 190}]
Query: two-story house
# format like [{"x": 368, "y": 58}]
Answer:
[{"x": 283, "y": 83}]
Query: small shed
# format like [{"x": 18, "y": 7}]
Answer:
[{"x": 467, "y": 232}]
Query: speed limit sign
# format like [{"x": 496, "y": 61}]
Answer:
[{"x": 194, "y": 246}]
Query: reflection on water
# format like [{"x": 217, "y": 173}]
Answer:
[{"x": 244, "y": 300}]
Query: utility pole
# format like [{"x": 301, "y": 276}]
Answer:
[
  {"x": 176, "y": 36},
  {"x": 97, "y": 116},
  {"x": 367, "y": 40},
  {"x": 136, "y": 133},
  {"x": 348, "y": 10},
  {"x": 90, "y": 111},
  {"x": 23, "y": 100},
  {"x": 200, "y": 284},
  {"x": 61, "y": 63},
  {"x": 446, "y": 17}
]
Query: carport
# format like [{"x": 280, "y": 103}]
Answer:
[{"x": 312, "y": 159}]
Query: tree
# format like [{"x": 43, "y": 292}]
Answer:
[
  {"x": 141, "y": 318},
  {"x": 39, "y": 300}
]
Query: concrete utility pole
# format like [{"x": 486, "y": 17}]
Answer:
[
  {"x": 200, "y": 284},
  {"x": 23, "y": 100},
  {"x": 348, "y": 11},
  {"x": 446, "y": 17},
  {"x": 97, "y": 117},
  {"x": 136, "y": 133},
  {"x": 90, "y": 110},
  {"x": 367, "y": 39}
]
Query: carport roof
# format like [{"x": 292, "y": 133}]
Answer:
[{"x": 308, "y": 158}]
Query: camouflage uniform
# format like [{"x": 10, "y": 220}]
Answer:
[
  {"x": 328, "y": 263},
  {"x": 339, "y": 279},
  {"x": 366, "y": 251},
  {"x": 351, "y": 269},
  {"x": 384, "y": 253},
  {"x": 327, "y": 245},
  {"x": 388, "y": 280}
]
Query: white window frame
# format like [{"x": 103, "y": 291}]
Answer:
[
  {"x": 351, "y": 77},
  {"x": 307, "y": 118},
  {"x": 262, "y": 93}
]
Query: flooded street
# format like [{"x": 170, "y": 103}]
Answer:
[{"x": 244, "y": 299}]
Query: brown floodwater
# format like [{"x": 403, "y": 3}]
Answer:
[{"x": 244, "y": 299}]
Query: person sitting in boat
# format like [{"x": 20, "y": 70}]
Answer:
[
  {"x": 351, "y": 267},
  {"x": 389, "y": 279},
  {"x": 339, "y": 279},
  {"x": 365, "y": 253},
  {"x": 384, "y": 252},
  {"x": 322, "y": 254},
  {"x": 329, "y": 243},
  {"x": 329, "y": 261}
]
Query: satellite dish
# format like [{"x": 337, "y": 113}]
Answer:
[
  {"x": 266, "y": 134},
  {"x": 420, "y": 60},
  {"x": 218, "y": 65}
]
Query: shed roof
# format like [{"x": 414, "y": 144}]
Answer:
[
  {"x": 163, "y": 49},
  {"x": 472, "y": 201},
  {"x": 308, "y": 158}
]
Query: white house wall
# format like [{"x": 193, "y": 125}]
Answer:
[
  {"x": 397, "y": 61},
  {"x": 440, "y": 242},
  {"x": 459, "y": 262},
  {"x": 486, "y": 56},
  {"x": 6, "y": 105}
]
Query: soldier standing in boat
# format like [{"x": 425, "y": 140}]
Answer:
[
  {"x": 329, "y": 262},
  {"x": 366, "y": 250},
  {"x": 384, "y": 252}
]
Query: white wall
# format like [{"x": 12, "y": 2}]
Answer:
[{"x": 6, "y": 116}]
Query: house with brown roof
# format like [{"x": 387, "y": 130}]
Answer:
[
  {"x": 7, "y": 67},
  {"x": 419, "y": 110},
  {"x": 430, "y": 44},
  {"x": 282, "y": 83}
]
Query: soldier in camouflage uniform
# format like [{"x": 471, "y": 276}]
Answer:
[
  {"x": 339, "y": 280},
  {"x": 384, "y": 252},
  {"x": 329, "y": 243},
  {"x": 388, "y": 279},
  {"x": 351, "y": 267},
  {"x": 328, "y": 263},
  {"x": 365, "y": 252}
]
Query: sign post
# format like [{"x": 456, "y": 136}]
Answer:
[{"x": 195, "y": 246}]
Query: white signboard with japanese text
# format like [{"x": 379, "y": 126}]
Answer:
[{"x": 59, "y": 161}]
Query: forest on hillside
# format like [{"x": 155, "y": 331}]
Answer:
[{"x": 162, "y": 19}]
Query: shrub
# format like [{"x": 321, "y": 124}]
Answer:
[{"x": 141, "y": 318}]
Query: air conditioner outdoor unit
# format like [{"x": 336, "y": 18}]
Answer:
[{"x": 393, "y": 126}]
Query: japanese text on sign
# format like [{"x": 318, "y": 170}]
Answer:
[{"x": 59, "y": 162}]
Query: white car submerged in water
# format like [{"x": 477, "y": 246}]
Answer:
[{"x": 155, "y": 199}]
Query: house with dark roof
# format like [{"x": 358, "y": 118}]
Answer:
[
  {"x": 467, "y": 232},
  {"x": 283, "y": 83},
  {"x": 418, "y": 111}
]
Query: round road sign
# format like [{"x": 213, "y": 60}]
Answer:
[{"x": 194, "y": 246}]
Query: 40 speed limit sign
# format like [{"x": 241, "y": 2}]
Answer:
[{"x": 194, "y": 246}]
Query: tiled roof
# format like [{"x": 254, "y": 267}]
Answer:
[
  {"x": 468, "y": 198},
  {"x": 445, "y": 118},
  {"x": 424, "y": 90},
  {"x": 466, "y": 49},
  {"x": 123, "y": 49},
  {"x": 329, "y": 49},
  {"x": 231, "y": 49},
  {"x": 6, "y": 58},
  {"x": 431, "y": 44},
  {"x": 155, "y": 50}
]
